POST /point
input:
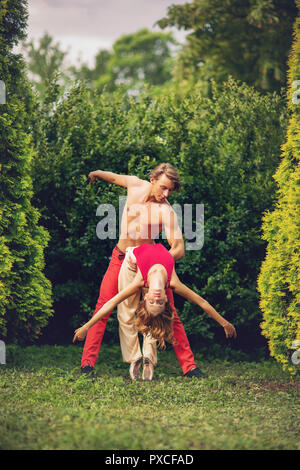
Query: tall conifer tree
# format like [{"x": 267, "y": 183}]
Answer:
[
  {"x": 25, "y": 293},
  {"x": 279, "y": 278}
]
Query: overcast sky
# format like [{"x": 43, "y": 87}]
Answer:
[{"x": 85, "y": 26}]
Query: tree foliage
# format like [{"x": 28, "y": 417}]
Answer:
[
  {"x": 248, "y": 40},
  {"x": 25, "y": 293},
  {"x": 44, "y": 61},
  {"x": 135, "y": 59},
  {"x": 279, "y": 277},
  {"x": 89, "y": 74}
]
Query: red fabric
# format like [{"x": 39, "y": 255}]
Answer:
[
  {"x": 147, "y": 255},
  {"x": 182, "y": 347},
  {"x": 108, "y": 289}
]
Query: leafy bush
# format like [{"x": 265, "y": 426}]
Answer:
[{"x": 226, "y": 148}]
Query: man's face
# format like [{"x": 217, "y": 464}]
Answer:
[{"x": 161, "y": 188}]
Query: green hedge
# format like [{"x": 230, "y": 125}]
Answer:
[{"x": 226, "y": 148}]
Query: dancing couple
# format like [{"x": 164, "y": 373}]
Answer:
[{"x": 138, "y": 267}]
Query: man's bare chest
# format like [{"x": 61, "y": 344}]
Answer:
[{"x": 144, "y": 213}]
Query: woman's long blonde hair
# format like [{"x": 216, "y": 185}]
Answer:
[{"x": 160, "y": 327}]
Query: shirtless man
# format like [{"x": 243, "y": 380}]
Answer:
[{"x": 146, "y": 212}]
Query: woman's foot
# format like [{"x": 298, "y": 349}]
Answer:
[
  {"x": 148, "y": 369},
  {"x": 134, "y": 369}
]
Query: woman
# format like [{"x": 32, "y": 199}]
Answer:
[{"x": 155, "y": 271}]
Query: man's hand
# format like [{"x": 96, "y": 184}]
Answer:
[
  {"x": 93, "y": 177},
  {"x": 80, "y": 334},
  {"x": 229, "y": 330}
]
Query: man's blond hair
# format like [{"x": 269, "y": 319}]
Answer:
[{"x": 168, "y": 170}]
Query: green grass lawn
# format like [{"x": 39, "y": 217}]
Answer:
[{"x": 47, "y": 404}]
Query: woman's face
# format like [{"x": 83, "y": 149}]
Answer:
[{"x": 155, "y": 302}]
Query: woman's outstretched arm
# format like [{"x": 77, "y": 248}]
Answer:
[
  {"x": 187, "y": 293},
  {"x": 131, "y": 289}
]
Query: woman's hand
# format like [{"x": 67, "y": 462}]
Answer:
[
  {"x": 80, "y": 334},
  {"x": 229, "y": 330},
  {"x": 131, "y": 263}
]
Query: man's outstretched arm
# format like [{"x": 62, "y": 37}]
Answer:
[{"x": 121, "y": 180}]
